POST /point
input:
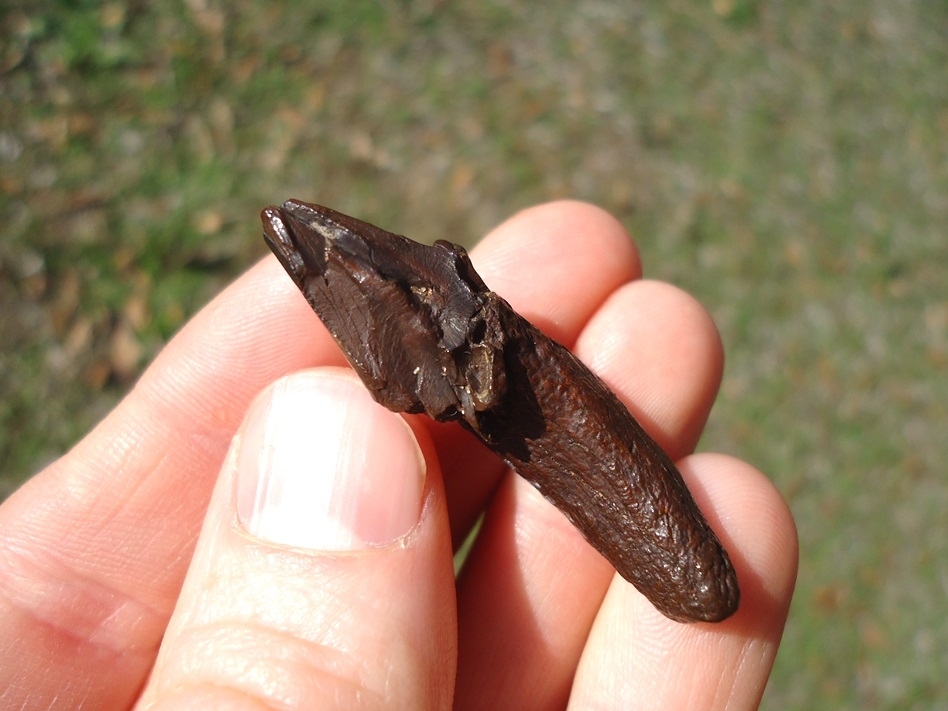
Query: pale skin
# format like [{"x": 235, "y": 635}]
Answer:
[{"x": 129, "y": 577}]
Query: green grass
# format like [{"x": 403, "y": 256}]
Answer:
[{"x": 785, "y": 162}]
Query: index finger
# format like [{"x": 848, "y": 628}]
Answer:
[
  {"x": 94, "y": 549},
  {"x": 555, "y": 264}
]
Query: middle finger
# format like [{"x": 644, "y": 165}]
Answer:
[{"x": 532, "y": 585}]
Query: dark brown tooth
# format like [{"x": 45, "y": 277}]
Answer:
[{"x": 425, "y": 334}]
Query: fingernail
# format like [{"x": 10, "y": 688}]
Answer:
[{"x": 321, "y": 465}]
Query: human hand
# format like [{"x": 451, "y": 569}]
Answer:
[{"x": 322, "y": 575}]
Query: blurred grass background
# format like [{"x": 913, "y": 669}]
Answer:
[{"x": 785, "y": 162}]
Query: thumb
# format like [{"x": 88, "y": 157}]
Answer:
[{"x": 323, "y": 575}]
